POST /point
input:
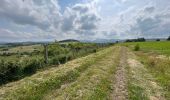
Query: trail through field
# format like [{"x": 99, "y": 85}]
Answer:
[
  {"x": 120, "y": 87},
  {"x": 111, "y": 74}
]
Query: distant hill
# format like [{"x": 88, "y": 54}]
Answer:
[
  {"x": 102, "y": 40},
  {"x": 14, "y": 44},
  {"x": 68, "y": 40}
]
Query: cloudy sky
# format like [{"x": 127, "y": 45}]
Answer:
[{"x": 44, "y": 20}]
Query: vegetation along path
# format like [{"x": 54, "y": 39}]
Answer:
[
  {"x": 114, "y": 73},
  {"x": 142, "y": 85}
]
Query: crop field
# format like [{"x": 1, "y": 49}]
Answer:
[{"x": 114, "y": 72}]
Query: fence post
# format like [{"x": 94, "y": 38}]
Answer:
[{"x": 46, "y": 53}]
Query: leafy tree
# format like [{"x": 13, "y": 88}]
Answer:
[
  {"x": 157, "y": 39},
  {"x": 168, "y": 38}
]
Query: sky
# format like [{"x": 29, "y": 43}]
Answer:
[{"x": 48, "y": 20}]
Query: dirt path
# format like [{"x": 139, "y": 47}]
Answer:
[{"x": 120, "y": 87}]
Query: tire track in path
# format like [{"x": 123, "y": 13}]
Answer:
[{"x": 120, "y": 86}]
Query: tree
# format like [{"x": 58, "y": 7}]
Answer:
[
  {"x": 157, "y": 39},
  {"x": 168, "y": 38}
]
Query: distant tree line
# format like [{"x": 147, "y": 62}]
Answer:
[
  {"x": 143, "y": 40},
  {"x": 136, "y": 40}
]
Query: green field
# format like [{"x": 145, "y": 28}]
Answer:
[
  {"x": 93, "y": 72},
  {"x": 156, "y": 58},
  {"x": 161, "y": 47}
]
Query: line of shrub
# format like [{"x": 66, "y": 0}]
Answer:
[{"x": 58, "y": 54}]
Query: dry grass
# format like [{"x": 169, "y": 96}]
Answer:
[
  {"x": 36, "y": 86},
  {"x": 159, "y": 67},
  {"x": 142, "y": 85},
  {"x": 94, "y": 84}
]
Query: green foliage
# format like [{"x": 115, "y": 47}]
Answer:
[
  {"x": 137, "y": 47},
  {"x": 8, "y": 71},
  {"x": 14, "y": 70},
  {"x": 32, "y": 65},
  {"x": 136, "y": 93},
  {"x": 168, "y": 39},
  {"x": 20, "y": 64}
]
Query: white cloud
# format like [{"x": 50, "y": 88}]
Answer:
[
  {"x": 88, "y": 19},
  {"x": 27, "y": 12}
]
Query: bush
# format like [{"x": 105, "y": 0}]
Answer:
[
  {"x": 14, "y": 70},
  {"x": 137, "y": 47},
  {"x": 157, "y": 39},
  {"x": 168, "y": 39},
  {"x": 58, "y": 54},
  {"x": 9, "y": 71},
  {"x": 32, "y": 65}
]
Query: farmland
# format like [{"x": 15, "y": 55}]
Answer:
[{"x": 113, "y": 72}]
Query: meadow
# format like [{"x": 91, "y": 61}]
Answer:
[{"x": 159, "y": 47}]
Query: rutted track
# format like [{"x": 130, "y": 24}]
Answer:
[{"x": 120, "y": 86}]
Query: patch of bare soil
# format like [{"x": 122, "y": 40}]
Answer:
[{"x": 120, "y": 86}]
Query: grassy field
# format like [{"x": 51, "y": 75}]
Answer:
[
  {"x": 155, "y": 57},
  {"x": 160, "y": 47},
  {"x": 118, "y": 72},
  {"x": 21, "y": 49}
]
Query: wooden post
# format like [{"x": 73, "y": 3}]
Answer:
[{"x": 46, "y": 53}]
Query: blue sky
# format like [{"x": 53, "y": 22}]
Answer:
[{"x": 42, "y": 20}]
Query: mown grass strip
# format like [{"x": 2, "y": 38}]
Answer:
[
  {"x": 159, "y": 68},
  {"x": 135, "y": 90},
  {"x": 104, "y": 90},
  {"x": 142, "y": 84},
  {"x": 36, "y": 91},
  {"x": 95, "y": 83}
]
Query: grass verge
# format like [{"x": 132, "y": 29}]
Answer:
[
  {"x": 142, "y": 84},
  {"x": 159, "y": 68},
  {"x": 94, "y": 84}
]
